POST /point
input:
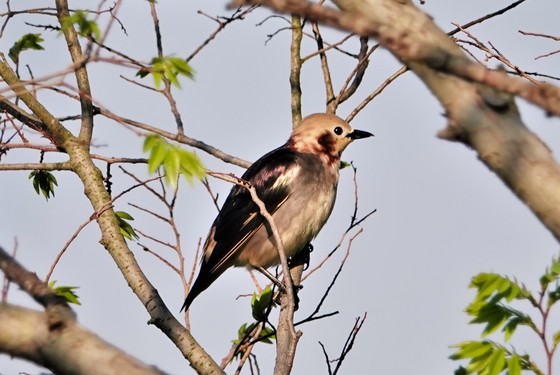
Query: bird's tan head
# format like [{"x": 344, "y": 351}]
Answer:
[{"x": 325, "y": 135}]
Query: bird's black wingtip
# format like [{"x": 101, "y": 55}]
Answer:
[{"x": 186, "y": 304}]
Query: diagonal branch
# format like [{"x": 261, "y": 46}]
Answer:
[
  {"x": 80, "y": 72},
  {"x": 477, "y": 101},
  {"x": 28, "y": 281},
  {"x": 54, "y": 340},
  {"x": 407, "y": 40},
  {"x": 51, "y": 127}
]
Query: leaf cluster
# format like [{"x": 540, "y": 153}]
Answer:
[
  {"x": 173, "y": 159},
  {"x": 66, "y": 292},
  {"x": 168, "y": 67},
  {"x": 490, "y": 358},
  {"x": 43, "y": 183},
  {"x": 260, "y": 309},
  {"x": 126, "y": 229},
  {"x": 492, "y": 307},
  {"x": 26, "y": 42},
  {"x": 85, "y": 27}
]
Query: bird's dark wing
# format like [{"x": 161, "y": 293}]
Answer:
[{"x": 239, "y": 218}]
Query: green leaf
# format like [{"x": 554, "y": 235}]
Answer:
[
  {"x": 124, "y": 215},
  {"x": 171, "y": 165},
  {"x": 489, "y": 306},
  {"x": 510, "y": 327},
  {"x": 190, "y": 166},
  {"x": 554, "y": 295},
  {"x": 43, "y": 183},
  {"x": 261, "y": 304},
  {"x": 555, "y": 268},
  {"x": 496, "y": 362},
  {"x": 490, "y": 358},
  {"x": 126, "y": 229},
  {"x": 26, "y": 42},
  {"x": 66, "y": 292},
  {"x": 169, "y": 68},
  {"x": 85, "y": 27},
  {"x": 514, "y": 365},
  {"x": 158, "y": 155},
  {"x": 556, "y": 338},
  {"x": 267, "y": 335},
  {"x": 344, "y": 164},
  {"x": 150, "y": 142},
  {"x": 243, "y": 331},
  {"x": 173, "y": 159},
  {"x": 491, "y": 284},
  {"x": 471, "y": 349}
]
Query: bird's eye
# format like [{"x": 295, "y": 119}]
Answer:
[{"x": 338, "y": 130}]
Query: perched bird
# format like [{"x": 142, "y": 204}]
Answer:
[{"x": 297, "y": 183}]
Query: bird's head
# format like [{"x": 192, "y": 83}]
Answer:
[{"x": 325, "y": 135}]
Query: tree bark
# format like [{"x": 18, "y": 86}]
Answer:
[{"x": 67, "y": 349}]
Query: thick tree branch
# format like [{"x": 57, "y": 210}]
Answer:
[
  {"x": 480, "y": 117},
  {"x": 28, "y": 281},
  {"x": 51, "y": 127},
  {"x": 54, "y": 339},
  {"x": 81, "y": 74},
  {"x": 18, "y": 113},
  {"x": 412, "y": 36},
  {"x": 117, "y": 247},
  {"x": 111, "y": 238},
  {"x": 28, "y": 334},
  {"x": 295, "y": 70}
]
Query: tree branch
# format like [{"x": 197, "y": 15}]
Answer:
[
  {"x": 80, "y": 72},
  {"x": 51, "y": 127},
  {"x": 479, "y": 117},
  {"x": 28, "y": 334},
  {"x": 413, "y": 39},
  {"x": 295, "y": 70}
]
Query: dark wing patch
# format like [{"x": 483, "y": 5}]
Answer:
[{"x": 239, "y": 219}]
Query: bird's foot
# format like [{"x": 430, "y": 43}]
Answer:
[
  {"x": 281, "y": 286},
  {"x": 295, "y": 288}
]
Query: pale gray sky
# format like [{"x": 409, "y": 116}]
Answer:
[{"x": 442, "y": 216}]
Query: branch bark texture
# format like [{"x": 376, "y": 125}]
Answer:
[
  {"x": 66, "y": 349},
  {"x": 53, "y": 338}
]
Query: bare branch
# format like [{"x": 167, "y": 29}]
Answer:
[
  {"x": 327, "y": 79},
  {"x": 438, "y": 53},
  {"x": 239, "y": 14},
  {"x": 80, "y": 72},
  {"x": 295, "y": 70}
]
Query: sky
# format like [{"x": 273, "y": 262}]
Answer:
[{"x": 442, "y": 216}]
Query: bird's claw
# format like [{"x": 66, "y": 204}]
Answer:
[{"x": 283, "y": 290}]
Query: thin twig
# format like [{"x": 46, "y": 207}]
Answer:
[{"x": 93, "y": 217}]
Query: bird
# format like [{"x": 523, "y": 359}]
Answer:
[{"x": 297, "y": 182}]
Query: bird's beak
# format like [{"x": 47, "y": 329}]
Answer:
[{"x": 357, "y": 134}]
